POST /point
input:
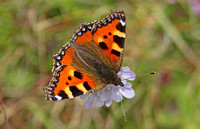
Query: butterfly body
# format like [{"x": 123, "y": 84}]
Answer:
[
  {"x": 90, "y": 60},
  {"x": 94, "y": 62}
]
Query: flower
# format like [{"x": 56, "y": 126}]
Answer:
[
  {"x": 195, "y": 6},
  {"x": 112, "y": 92}
]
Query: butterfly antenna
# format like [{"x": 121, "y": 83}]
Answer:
[
  {"x": 123, "y": 111},
  {"x": 152, "y": 73}
]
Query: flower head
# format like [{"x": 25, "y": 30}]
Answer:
[
  {"x": 195, "y": 6},
  {"x": 112, "y": 92}
]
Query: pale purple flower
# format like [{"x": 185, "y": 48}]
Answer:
[
  {"x": 112, "y": 92},
  {"x": 195, "y": 6}
]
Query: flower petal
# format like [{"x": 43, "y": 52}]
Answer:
[
  {"x": 90, "y": 101},
  {"x": 128, "y": 85},
  {"x": 128, "y": 75},
  {"x": 125, "y": 73},
  {"x": 112, "y": 92},
  {"x": 107, "y": 93},
  {"x": 108, "y": 102},
  {"x": 127, "y": 92},
  {"x": 98, "y": 102},
  {"x": 126, "y": 68},
  {"x": 116, "y": 96}
]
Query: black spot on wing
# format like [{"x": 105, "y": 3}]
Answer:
[
  {"x": 63, "y": 94},
  {"x": 78, "y": 75},
  {"x": 103, "y": 45},
  {"x": 87, "y": 87},
  {"x": 115, "y": 53},
  {"x": 119, "y": 40},
  {"x": 69, "y": 78},
  {"x": 120, "y": 27},
  {"x": 75, "y": 91}
]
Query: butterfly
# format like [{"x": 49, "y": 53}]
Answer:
[{"x": 90, "y": 60}]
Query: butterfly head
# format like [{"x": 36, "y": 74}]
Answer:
[
  {"x": 117, "y": 81},
  {"x": 110, "y": 76}
]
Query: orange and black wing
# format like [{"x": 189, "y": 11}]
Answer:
[
  {"x": 109, "y": 34},
  {"x": 66, "y": 54},
  {"x": 69, "y": 82}
]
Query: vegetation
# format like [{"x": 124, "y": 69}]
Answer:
[{"x": 161, "y": 36}]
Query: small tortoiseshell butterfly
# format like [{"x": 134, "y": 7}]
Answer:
[{"x": 90, "y": 60}]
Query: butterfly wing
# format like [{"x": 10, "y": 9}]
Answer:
[
  {"x": 109, "y": 34},
  {"x": 69, "y": 82},
  {"x": 71, "y": 77},
  {"x": 105, "y": 39},
  {"x": 67, "y": 53}
]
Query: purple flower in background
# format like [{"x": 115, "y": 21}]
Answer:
[
  {"x": 195, "y": 6},
  {"x": 112, "y": 92}
]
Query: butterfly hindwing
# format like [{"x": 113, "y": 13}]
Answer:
[{"x": 68, "y": 82}]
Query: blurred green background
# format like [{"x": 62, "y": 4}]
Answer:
[{"x": 162, "y": 36}]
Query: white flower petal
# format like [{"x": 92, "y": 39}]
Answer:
[
  {"x": 126, "y": 68},
  {"x": 124, "y": 82},
  {"x": 98, "y": 102},
  {"x": 115, "y": 94},
  {"x": 102, "y": 97},
  {"x": 128, "y": 75},
  {"x": 128, "y": 85},
  {"x": 108, "y": 102},
  {"x": 112, "y": 92},
  {"x": 125, "y": 73},
  {"x": 117, "y": 97},
  {"x": 90, "y": 101},
  {"x": 115, "y": 88},
  {"x": 100, "y": 92},
  {"x": 107, "y": 93},
  {"x": 128, "y": 93}
]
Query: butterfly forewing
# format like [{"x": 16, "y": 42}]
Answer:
[
  {"x": 66, "y": 54},
  {"x": 109, "y": 34}
]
